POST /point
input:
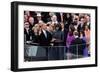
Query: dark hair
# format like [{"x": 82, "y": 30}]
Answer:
[
  {"x": 82, "y": 17},
  {"x": 58, "y": 25},
  {"x": 72, "y": 28},
  {"x": 81, "y": 31},
  {"x": 70, "y": 33}
]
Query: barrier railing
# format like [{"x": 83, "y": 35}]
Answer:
[{"x": 33, "y": 52}]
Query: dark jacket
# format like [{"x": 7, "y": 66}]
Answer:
[
  {"x": 77, "y": 46},
  {"x": 59, "y": 35},
  {"x": 45, "y": 41}
]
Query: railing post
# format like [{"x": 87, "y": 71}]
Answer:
[{"x": 77, "y": 50}]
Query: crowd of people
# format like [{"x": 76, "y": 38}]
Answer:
[{"x": 71, "y": 30}]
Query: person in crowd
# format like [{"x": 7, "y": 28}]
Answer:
[
  {"x": 77, "y": 46},
  {"x": 81, "y": 26},
  {"x": 64, "y": 35},
  {"x": 69, "y": 39},
  {"x": 27, "y": 15},
  {"x": 67, "y": 19},
  {"x": 50, "y": 14},
  {"x": 50, "y": 28},
  {"x": 87, "y": 17},
  {"x": 35, "y": 37},
  {"x": 31, "y": 22},
  {"x": 76, "y": 21},
  {"x": 44, "y": 36},
  {"x": 39, "y": 17},
  {"x": 54, "y": 19},
  {"x": 70, "y": 36},
  {"x": 34, "y": 15},
  {"x": 83, "y": 37},
  {"x": 26, "y": 32},
  {"x": 59, "y": 15},
  {"x": 58, "y": 39},
  {"x": 87, "y": 34},
  {"x": 58, "y": 35},
  {"x": 25, "y": 18}
]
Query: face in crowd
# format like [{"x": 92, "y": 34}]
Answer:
[
  {"x": 26, "y": 25},
  {"x": 31, "y": 20},
  {"x": 54, "y": 18}
]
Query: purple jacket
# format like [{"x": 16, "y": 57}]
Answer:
[{"x": 69, "y": 40}]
